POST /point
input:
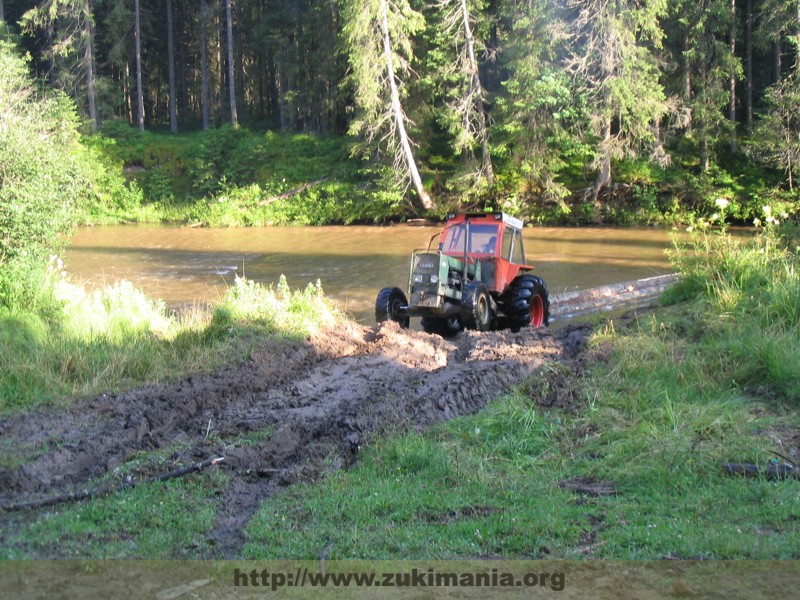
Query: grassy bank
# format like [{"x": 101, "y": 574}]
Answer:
[
  {"x": 91, "y": 341},
  {"x": 645, "y": 422},
  {"x": 238, "y": 178}
]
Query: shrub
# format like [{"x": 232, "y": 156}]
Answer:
[{"x": 41, "y": 180}]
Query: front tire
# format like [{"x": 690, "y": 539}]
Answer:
[
  {"x": 528, "y": 303},
  {"x": 388, "y": 305},
  {"x": 477, "y": 306}
]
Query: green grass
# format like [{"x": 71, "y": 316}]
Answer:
[
  {"x": 158, "y": 521},
  {"x": 115, "y": 337}
]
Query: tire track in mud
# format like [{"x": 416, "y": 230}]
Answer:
[{"x": 322, "y": 399}]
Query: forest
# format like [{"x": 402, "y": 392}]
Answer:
[
  {"x": 663, "y": 106},
  {"x": 614, "y": 438}
]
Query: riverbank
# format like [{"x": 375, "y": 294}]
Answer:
[
  {"x": 601, "y": 440},
  {"x": 239, "y": 178}
]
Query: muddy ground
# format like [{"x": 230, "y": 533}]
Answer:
[{"x": 319, "y": 401}]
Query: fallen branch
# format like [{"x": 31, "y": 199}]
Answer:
[
  {"x": 87, "y": 494},
  {"x": 589, "y": 486},
  {"x": 771, "y": 472},
  {"x": 295, "y": 191}
]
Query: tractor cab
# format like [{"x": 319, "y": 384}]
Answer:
[{"x": 494, "y": 240}]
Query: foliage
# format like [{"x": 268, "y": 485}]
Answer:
[
  {"x": 751, "y": 308},
  {"x": 299, "y": 312},
  {"x": 236, "y": 177},
  {"x": 614, "y": 62},
  {"x": 777, "y": 137},
  {"x": 700, "y": 79},
  {"x": 41, "y": 179},
  {"x": 49, "y": 181}
]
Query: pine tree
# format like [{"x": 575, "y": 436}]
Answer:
[
  {"x": 536, "y": 112},
  {"x": 379, "y": 43},
  {"x": 614, "y": 63},
  {"x": 68, "y": 25},
  {"x": 467, "y": 103},
  {"x": 701, "y": 78}
]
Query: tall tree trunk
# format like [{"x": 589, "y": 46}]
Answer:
[
  {"x": 399, "y": 117},
  {"x": 283, "y": 105},
  {"x": 137, "y": 35},
  {"x": 687, "y": 79},
  {"x": 173, "y": 112},
  {"x": 732, "y": 105},
  {"x": 603, "y": 178},
  {"x": 88, "y": 58},
  {"x": 128, "y": 93},
  {"x": 239, "y": 62},
  {"x": 776, "y": 60},
  {"x": 205, "y": 99},
  {"x": 231, "y": 81},
  {"x": 182, "y": 77},
  {"x": 483, "y": 134},
  {"x": 748, "y": 41}
]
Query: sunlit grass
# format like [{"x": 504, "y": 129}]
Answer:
[{"x": 107, "y": 338}]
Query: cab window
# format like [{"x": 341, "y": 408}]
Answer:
[
  {"x": 482, "y": 239},
  {"x": 512, "y": 246}
]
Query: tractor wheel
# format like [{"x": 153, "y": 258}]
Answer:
[
  {"x": 447, "y": 327},
  {"x": 477, "y": 306},
  {"x": 387, "y": 306},
  {"x": 528, "y": 303}
]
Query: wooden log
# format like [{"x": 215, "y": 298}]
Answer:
[{"x": 609, "y": 297}]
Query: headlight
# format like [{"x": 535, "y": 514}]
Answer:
[
  {"x": 434, "y": 279},
  {"x": 417, "y": 278}
]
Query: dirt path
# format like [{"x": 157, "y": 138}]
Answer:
[{"x": 319, "y": 401}]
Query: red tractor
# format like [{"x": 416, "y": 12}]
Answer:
[{"x": 477, "y": 278}]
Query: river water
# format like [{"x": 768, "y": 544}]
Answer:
[{"x": 184, "y": 265}]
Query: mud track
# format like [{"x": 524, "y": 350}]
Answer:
[{"x": 318, "y": 401}]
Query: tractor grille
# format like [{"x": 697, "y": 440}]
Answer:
[
  {"x": 426, "y": 264},
  {"x": 425, "y": 280}
]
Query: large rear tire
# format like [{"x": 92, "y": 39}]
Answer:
[
  {"x": 477, "y": 306},
  {"x": 388, "y": 304},
  {"x": 528, "y": 303}
]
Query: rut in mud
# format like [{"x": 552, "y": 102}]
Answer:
[{"x": 319, "y": 401}]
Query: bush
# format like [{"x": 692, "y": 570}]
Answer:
[{"x": 42, "y": 182}]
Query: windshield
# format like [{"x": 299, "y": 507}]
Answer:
[{"x": 482, "y": 239}]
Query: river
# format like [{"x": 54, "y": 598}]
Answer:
[{"x": 184, "y": 265}]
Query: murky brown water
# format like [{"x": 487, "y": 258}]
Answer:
[{"x": 184, "y": 265}]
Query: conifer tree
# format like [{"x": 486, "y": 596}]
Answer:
[
  {"x": 380, "y": 48},
  {"x": 614, "y": 63}
]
